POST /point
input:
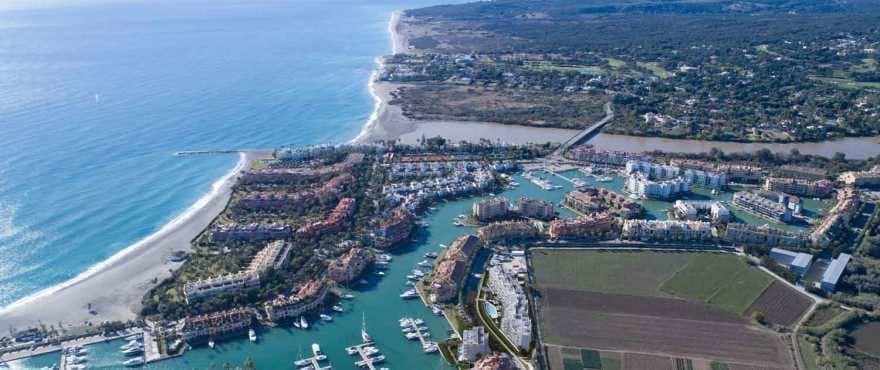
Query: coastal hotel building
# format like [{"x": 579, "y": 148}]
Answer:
[{"x": 350, "y": 265}]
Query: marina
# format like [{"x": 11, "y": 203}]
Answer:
[
  {"x": 378, "y": 300},
  {"x": 412, "y": 329},
  {"x": 314, "y": 361}
]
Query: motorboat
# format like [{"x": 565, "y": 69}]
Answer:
[
  {"x": 303, "y": 323},
  {"x": 409, "y": 294},
  {"x": 337, "y": 308},
  {"x": 252, "y": 335},
  {"x": 326, "y": 317},
  {"x": 380, "y": 273},
  {"x": 431, "y": 255},
  {"x": 347, "y": 296},
  {"x": 133, "y": 362},
  {"x": 134, "y": 351},
  {"x": 430, "y": 347},
  {"x": 211, "y": 343},
  {"x": 436, "y": 310},
  {"x": 316, "y": 351},
  {"x": 412, "y": 336}
]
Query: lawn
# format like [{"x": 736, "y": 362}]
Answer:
[
  {"x": 721, "y": 280},
  {"x": 622, "y": 272},
  {"x": 615, "y": 63},
  {"x": 846, "y": 83},
  {"x": 655, "y": 68}
]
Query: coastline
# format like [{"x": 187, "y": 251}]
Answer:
[
  {"x": 387, "y": 122},
  {"x": 115, "y": 286}
]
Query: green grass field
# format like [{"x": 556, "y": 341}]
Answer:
[
  {"x": 846, "y": 83},
  {"x": 656, "y": 69},
  {"x": 623, "y": 272},
  {"x": 723, "y": 281}
]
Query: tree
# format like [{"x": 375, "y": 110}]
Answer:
[
  {"x": 249, "y": 364},
  {"x": 758, "y": 316}
]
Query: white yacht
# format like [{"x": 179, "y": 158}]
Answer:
[
  {"x": 337, "y": 308},
  {"x": 303, "y": 323},
  {"x": 252, "y": 335},
  {"x": 134, "y": 362},
  {"x": 326, "y": 317}
]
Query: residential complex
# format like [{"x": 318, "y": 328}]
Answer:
[
  {"x": 280, "y": 200},
  {"x": 652, "y": 170},
  {"x": 700, "y": 178},
  {"x": 800, "y": 187},
  {"x": 508, "y": 231},
  {"x": 334, "y": 222},
  {"x": 250, "y": 232},
  {"x": 535, "y": 208},
  {"x": 643, "y": 187},
  {"x": 515, "y": 321},
  {"x": 591, "y": 200},
  {"x": 451, "y": 271},
  {"x": 599, "y": 225},
  {"x": 309, "y": 297},
  {"x": 589, "y": 154},
  {"x": 733, "y": 172},
  {"x": 667, "y": 231},
  {"x": 861, "y": 178},
  {"x": 474, "y": 343},
  {"x": 764, "y": 205},
  {"x": 213, "y": 325},
  {"x": 491, "y": 208},
  {"x": 745, "y": 234},
  {"x": 395, "y": 229},
  {"x": 272, "y": 256},
  {"x": 414, "y": 193},
  {"x": 848, "y": 201},
  {"x": 350, "y": 265},
  {"x": 692, "y": 210}
]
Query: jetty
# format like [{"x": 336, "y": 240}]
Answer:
[
  {"x": 198, "y": 152},
  {"x": 365, "y": 350},
  {"x": 313, "y": 362},
  {"x": 411, "y": 326}
]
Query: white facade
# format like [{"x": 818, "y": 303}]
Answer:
[
  {"x": 515, "y": 321},
  {"x": 474, "y": 342}
]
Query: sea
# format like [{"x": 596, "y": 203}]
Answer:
[{"x": 97, "y": 96}]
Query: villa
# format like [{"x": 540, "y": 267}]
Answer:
[
  {"x": 861, "y": 178},
  {"x": 270, "y": 257}
]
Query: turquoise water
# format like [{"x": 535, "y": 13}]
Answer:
[
  {"x": 378, "y": 301},
  {"x": 95, "y": 96}
]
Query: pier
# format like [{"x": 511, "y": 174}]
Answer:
[
  {"x": 411, "y": 323},
  {"x": 199, "y": 152},
  {"x": 366, "y": 360}
]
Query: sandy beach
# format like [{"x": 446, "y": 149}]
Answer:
[{"x": 114, "y": 288}]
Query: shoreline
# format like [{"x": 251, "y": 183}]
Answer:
[{"x": 115, "y": 286}]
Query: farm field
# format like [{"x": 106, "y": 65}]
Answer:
[
  {"x": 867, "y": 338},
  {"x": 631, "y": 272},
  {"x": 721, "y": 280},
  {"x": 781, "y": 305},
  {"x": 626, "y": 302}
]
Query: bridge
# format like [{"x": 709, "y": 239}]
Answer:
[{"x": 586, "y": 134}]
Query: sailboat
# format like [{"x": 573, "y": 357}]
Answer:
[{"x": 366, "y": 337}]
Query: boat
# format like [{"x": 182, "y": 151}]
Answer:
[
  {"x": 430, "y": 348},
  {"x": 424, "y": 263},
  {"x": 131, "y": 343},
  {"x": 418, "y": 273},
  {"x": 296, "y": 324},
  {"x": 252, "y": 335},
  {"x": 364, "y": 336},
  {"x": 211, "y": 343},
  {"x": 303, "y": 323},
  {"x": 409, "y": 294},
  {"x": 419, "y": 321},
  {"x": 326, "y": 317},
  {"x": 436, "y": 310},
  {"x": 412, "y": 336},
  {"x": 443, "y": 246},
  {"x": 604, "y": 179},
  {"x": 410, "y": 283},
  {"x": 347, "y": 296},
  {"x": 380, "y": 273},
  {"x": 303, "y": 362},
  {"x": 456, "y": 223},
  {"x": 431, "y": 255},
  {"x": 412, "y": 277},
  {"x": 337, "y": 308},
  {"x": 133, "y": 362},
  {"x": 75, "y": 359},
  {"x": 385, "y": 257},
  {"x": 77, "y": 367},
  {"x": 134, "y": 351}
]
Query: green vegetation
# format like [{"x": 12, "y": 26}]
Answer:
[
  {"x": 655, "y": 68},
  {"x": 723, "y": 281},
  {"x": 627, "y": 272},
  {"x": 715, "y": 365},
  {"x": 572, "y": 364},
  {"x": 591, "y": 359},
  {"x": 734, "y": 71},
  {"x": 610, "y": 363},
  {"x": 809, "y": 354}
]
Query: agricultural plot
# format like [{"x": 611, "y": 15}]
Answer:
[
  {"x": 632, "y": 302},
  {"x": 867, "y": 338},
  {"x": 636, "y": 273},
  {"x": 720, "y": 280},
  {"x": 781, "y": 305}
]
